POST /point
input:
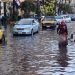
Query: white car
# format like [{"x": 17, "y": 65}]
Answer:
[
  {"x": 26, "y": 26},
  {"x": 58, "y": 19},
  {"x": 66, "y": 18}
]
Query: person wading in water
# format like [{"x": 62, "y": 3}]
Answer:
[{"x": 62, "y": 31}]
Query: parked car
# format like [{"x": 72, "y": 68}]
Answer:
[
  {"x": 2, "y": 35},
  {"x": 35, "y": 16},
  {"x": 72, "y": 36},
  {"x": 66, "y": 18},
  {"x": 48, "y": 22},
  {"x": 58, "y": 19},
  {"x": 72, "y": 16},
  {"x": 26, "y": 26}
]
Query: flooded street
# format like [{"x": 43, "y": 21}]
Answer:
[{"x": 37, "y": 55}]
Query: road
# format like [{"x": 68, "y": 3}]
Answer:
[{"x": 37, "y": 55}]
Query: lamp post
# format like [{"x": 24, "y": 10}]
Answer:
[
  {"x": 0, "y": 7},
  {"x": 5, "y": 9},
  {"x": 38, "y": 8},
  {"x": 43, "y": 2},
  {"x": 13, "y": 9},
  {"x": 4, "y": 18}
]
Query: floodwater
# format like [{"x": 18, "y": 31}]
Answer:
[{"x": 37, "y": 55}]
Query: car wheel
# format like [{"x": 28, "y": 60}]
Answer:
[
  {"x": 43, "y": 27},
  {"x": 14, "y": 34}
]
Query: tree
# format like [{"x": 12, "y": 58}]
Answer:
[
  {"x": 49, "y": 7},
  {"x": 66, "y": 8},
  {"x": 27, "y": 7}
]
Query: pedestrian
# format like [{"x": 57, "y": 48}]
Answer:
[
  {"x": 62, "y": 31},
  {"x": 3, "y": 20}
]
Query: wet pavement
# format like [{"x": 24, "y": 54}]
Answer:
[{"x": 37, "y": 55}]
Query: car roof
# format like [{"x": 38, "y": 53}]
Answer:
[
  {"x": 49, "y": 16},
  {"x": 27, "y": 19},
  {"x": 58, "y": 16},
  {"x": 64, "y": 15}
]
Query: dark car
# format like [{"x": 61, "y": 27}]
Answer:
[{"x": 72, "y": 17}]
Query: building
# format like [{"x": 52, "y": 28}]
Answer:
[
  {"x": 5, "y": 5},
  {"x": 1, "y": 8},
  {"x": 72, "y": 4}
]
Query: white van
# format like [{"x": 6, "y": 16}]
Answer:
[{"x": 66, "y": 18}]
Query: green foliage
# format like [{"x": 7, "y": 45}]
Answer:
[
  {"x": 28, "y": 7},
  {"x": 66, "y": 8},
  {"x": 49, "y": 7},
  {"x": 15, "y": 17}
]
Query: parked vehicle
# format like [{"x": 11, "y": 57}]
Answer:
[
  {"x": 66, "y": 18},
  {"x": 2, "y": 35},
  {"x": 35, "y": 16},
  {"x": 72, "y": 16},
  {"x": 72, "y": 36},
  {"x": 48, "y": 22},
  {"x": 26, "y": 26},
  {"x": 58, "y": 19}
]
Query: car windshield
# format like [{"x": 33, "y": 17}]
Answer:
[
  {"x": 25, "y": 22},
  {"x": 58, "y": 17},
  {"x": 66, "y": 16},
  {"x": 49, "y": 18}
]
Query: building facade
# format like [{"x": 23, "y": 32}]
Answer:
[{"x": 6, "y": 6}]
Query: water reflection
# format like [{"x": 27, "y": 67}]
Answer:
[{"x": 63, "y": 57}]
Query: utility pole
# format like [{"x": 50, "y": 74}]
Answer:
[
  {"x": 43, "y": 2},
  {"x": 38, "y": 8},
  {"x": 13, "y": 9},
  {"x": 4, "y": 18},
  {"x": 0, "y": 7},
  {"x": 4, "y": 8}
]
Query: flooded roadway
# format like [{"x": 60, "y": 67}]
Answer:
[{"x": 37, "y": 55}]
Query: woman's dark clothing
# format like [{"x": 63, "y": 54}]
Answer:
[
  {"x": 62, "y": 29},
  {"x": 63, "y": 32}
]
